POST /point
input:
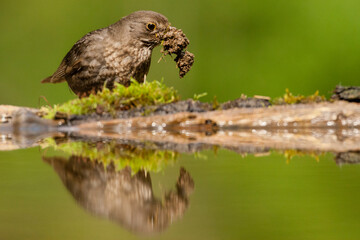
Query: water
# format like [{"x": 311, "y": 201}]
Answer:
[{"x": 276, "y": 194}]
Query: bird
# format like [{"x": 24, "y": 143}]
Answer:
[{"x": 112, "y": 54}]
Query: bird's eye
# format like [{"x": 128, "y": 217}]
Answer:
[{"x": 151, "y": 26}]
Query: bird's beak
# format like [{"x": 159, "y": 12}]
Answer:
[{"x": 160, "y": 34}]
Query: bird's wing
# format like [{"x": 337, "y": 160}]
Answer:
[
  {"x": 68, "y": 66},
  {"x": 71, "y": 64}
]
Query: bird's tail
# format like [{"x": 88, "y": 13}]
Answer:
[
  {"x": 53, "y": 79},
  {"x": 47, "y": 80}
]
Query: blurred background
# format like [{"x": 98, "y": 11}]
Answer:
[{"x": 243, "y": 46}]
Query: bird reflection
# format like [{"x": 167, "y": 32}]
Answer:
[{"x": 120, "y": 195}]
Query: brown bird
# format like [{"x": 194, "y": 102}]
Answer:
[{"x": 112, "y": 54}]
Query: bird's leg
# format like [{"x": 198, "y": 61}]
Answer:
[{"x": 44, "y": 98}]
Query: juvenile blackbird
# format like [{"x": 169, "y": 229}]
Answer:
[{"x": 112, "y": 54}]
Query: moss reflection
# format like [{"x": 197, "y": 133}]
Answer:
[{"x": 120, "y": 154}]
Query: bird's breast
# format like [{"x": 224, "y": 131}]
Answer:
[{"x": 125, "y": 59}]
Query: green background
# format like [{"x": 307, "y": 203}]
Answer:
[{"x": 253, "y": 47}]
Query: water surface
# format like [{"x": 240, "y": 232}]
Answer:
[{"x": 276, "y": 194}]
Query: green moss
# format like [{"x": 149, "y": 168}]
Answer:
[
  {"x": 289, "y": 98},
  {"x": 122, "y": 155},
  {"x": 198, "y": 96},
  {"x": 147, "y": 94},
  {"x": 120, "y": 98}
]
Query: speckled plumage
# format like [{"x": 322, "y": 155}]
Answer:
[{"x": 112, "y": 54}]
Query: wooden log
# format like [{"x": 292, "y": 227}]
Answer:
[
  {"x": 331, "y": 127},
  {"x": 7, "y": 111},
  {"x": 322, "y": 115}
]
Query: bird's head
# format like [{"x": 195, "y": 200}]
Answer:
[{"x": 147, "y": 27}]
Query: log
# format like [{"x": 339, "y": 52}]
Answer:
[
  {"x": 333, "y": 127},
  {"x": 327, "y": 115}
]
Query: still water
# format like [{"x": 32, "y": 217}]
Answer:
[{"x": 75, "y": 191}]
